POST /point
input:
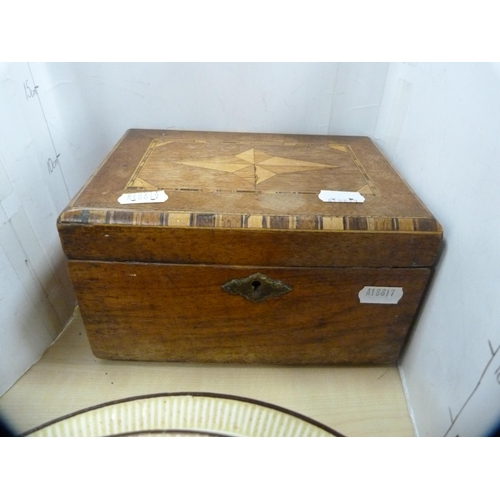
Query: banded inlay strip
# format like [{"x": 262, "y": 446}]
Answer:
[{"x": 239, "y": 221}]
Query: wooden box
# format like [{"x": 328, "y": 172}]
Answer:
[{"x": 244, "y": 262}]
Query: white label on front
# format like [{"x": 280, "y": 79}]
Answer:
[
  {"x": 380, "y": 294},
  {"x": 143, "y": 197},
  {"x": 341, "y": 197}
]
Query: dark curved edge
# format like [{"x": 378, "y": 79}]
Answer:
[
  {"x": 171, "y": 431},
  {"x": 195, "y": 394}
]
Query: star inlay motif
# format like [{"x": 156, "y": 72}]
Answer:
[{"x": 254, "y": 165}]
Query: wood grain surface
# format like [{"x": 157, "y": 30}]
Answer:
[
  {"x": 149, "y": 276},
  {"x": 159, "y": 312},
  {"x": 237, "y": 247},
  {"x": 249, "y": 181}
]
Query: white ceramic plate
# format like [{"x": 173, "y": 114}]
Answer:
[{"x": 184, "y": 414}]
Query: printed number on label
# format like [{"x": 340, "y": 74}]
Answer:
[{"x": 380, "y": 294}]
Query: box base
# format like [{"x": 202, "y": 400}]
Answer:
[{"x": 163, "y": 312}]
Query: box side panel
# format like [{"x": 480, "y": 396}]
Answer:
[
  {"x": 205, "y": 245},
  {"x": 159, "y": 312}
]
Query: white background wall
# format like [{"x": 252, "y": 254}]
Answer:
[
  {"x": 36, "y": 125},
  {"x": 438, "y": 123},
  {"x": 440, "y": 126},
  {"x": 311, "y": 98}
]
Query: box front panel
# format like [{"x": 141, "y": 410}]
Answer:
[{"x": 198, "y": 313}]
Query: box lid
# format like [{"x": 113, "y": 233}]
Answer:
[{"x": 238, "y": 198}]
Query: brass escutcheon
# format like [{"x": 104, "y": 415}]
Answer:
[{"x": 257, "y": 287}]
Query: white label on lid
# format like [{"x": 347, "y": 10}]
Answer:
[
  {"x": 143, "y": 197},
  {"x": 341, "y": 197},
  {"x": 380, "y": 294}
]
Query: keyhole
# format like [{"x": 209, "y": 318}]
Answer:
[{"x": 255, "y": 285}]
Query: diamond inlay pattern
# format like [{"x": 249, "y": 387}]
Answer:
[{"x": 280, "y": 168}]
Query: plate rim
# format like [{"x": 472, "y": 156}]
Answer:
[{"x": 214, "y": 395}]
